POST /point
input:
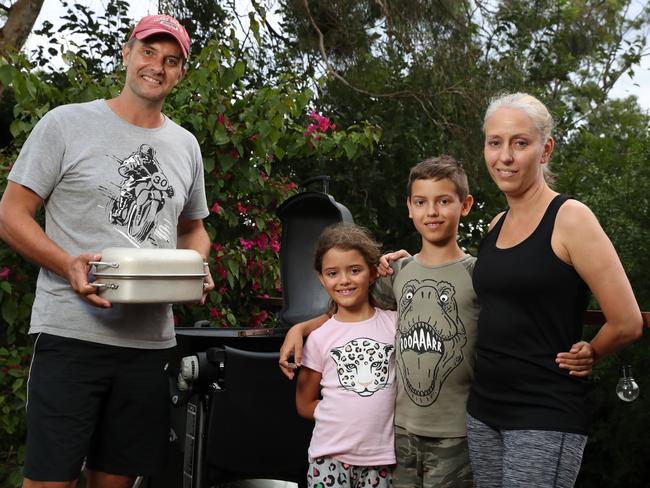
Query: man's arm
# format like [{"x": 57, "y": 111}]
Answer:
[
  {"x": 191, "y": 234},
  {"x": 20, "y": 230}
]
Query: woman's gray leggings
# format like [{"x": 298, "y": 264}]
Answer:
[{"x": 523, "y": 458}]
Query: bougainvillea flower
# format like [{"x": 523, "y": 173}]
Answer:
[{"x": 246, "y": 244}]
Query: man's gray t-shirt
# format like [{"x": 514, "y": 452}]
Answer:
[{"x": 108, "y": 183}]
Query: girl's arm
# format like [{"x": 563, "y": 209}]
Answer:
[
  {"x": 307, "y": 392},
  {"x": 293, "y": 344},
  {"x": 582, "y": 243}
]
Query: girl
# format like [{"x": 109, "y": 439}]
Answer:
[{"x": 349, "y": 361}]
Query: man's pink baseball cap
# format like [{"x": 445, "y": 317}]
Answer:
[{"x": 162, "y": 24}]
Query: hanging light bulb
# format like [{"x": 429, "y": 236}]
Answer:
[{"x": 626, "y": 388}]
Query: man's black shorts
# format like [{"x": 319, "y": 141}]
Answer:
[{"x": 107, "y": 405}]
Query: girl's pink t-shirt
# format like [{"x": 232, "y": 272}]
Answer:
[{"x": 354, "y": 420}]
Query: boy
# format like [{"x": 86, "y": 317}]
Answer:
[{"x": 437, "y": 315}]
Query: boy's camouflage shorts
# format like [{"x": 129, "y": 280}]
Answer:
[{"x": 431, "y": 462}]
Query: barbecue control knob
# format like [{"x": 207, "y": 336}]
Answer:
[{"x": 190, "y": 368}]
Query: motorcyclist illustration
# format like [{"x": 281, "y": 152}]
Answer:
[{"x": 142, "y": 193}]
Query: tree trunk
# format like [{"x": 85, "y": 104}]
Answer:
[{"x": 20, "y": 20}]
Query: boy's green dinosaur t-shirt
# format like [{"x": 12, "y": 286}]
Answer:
[{"x": 435, "y": 341}]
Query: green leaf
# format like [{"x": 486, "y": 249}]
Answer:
[
  {"x": 233, "y": 267},
  {"x": 6, "y": 74},
  {"x": 9, "y": 311}
]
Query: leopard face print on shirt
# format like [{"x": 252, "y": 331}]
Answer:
[{"x": 362, "y": 365}]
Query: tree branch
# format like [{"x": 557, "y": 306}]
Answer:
[
  {"x": 338, "y": 76},
  {"x": 20, "y": 21}
]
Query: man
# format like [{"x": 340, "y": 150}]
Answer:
[{"x": 97, "y": 391}]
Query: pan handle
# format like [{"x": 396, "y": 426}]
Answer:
[
  {"x": 102, "y": 263},
  {"x": 110, "y": 286}
]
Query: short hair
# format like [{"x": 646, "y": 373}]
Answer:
[
  {"x": 535, "y": 109},
  {"x": 440, "y": 168},
  {"x": 348, "y": 237}
]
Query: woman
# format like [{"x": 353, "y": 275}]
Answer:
[{"x": 527, "y": 413}]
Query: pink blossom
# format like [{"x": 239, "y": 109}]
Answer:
[
  {"x": 311, "y": 128},
  {"x": 214, "y": 313},
  {"x": 262, "y": 242},
  {"x": 257, "y": 319},
  {"x": 216, "y": 208},
  {"x": 275, "y": 245},
  {"x": 221, "y": 271},
  {"x": 216, "y": 247},
  {"x": 241, "y": 208},
  {"x": 222, "y": 290},
  {"x": 4, "y": 273},
  {"x": 322, "y": 121},
  {"x": 221, "y": 119},
  {"x": 291, "y": 186},
  {"x": 246, "y": 244}
]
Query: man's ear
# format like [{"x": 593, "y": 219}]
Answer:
[
  {"x": 182, "y": 74},
  {"x": 126, "y": 51},
  {"x": 408, "y": 205}
]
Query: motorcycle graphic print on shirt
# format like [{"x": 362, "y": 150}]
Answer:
[
  {"x": 430, "y": 346},
  {"x": 142, "y": 194}
]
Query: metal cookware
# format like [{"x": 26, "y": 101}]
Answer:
[{"x": 136, "y": 275}]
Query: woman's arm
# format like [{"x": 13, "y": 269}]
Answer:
[
  {"x": 307, "y": 392},
  {"x": 581, "y": 242}
]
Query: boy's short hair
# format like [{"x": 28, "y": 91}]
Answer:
[{"x": 439, "y": 168}]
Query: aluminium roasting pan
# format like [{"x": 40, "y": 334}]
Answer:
[{"x": 144, "y": 275}]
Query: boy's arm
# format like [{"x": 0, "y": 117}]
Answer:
[
  {"x": 293, "y": 344},
  {"x": 384, "y": 267},
  {"x": 307, "y": 392}
]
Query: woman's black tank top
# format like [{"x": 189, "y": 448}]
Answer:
[{"x": 532, "y": 305}]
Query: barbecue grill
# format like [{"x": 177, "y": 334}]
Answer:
[{"x": 234, "y": 415}]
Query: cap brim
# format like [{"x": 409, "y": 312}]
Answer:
[{"x": 143, "y": 34}]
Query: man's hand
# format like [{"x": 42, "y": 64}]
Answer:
[
  {"x": 579, "y": 360},
  {"x": 208, "y": 284},
  {"x": 384, "y": 268},
  {"x": 77, "y": 276}
]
